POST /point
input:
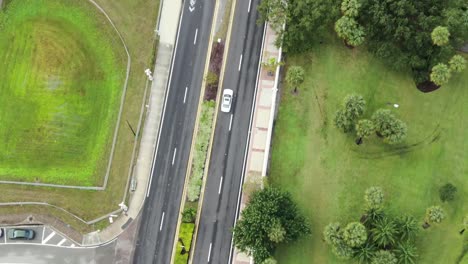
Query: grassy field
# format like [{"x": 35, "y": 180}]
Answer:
[
  {"x": 327, "y": 172},
  {"x": 61, "y": 80},
  {"x": 135, "y": 19}
]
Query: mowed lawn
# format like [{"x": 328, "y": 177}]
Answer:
[
  {"x": 61, "y": 78},
  {"x": 327, "y": 172}
]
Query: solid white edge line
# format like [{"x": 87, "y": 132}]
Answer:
[
  {"x": 168, "y": 84},
  {"x": 195, "y": 39},
  {"x": 248, "y": 141},
  {"x": 209, "y": 252},
  {"x": 173, "y": 156},
  {"x": 220, "y": 185},
  {"x": 240, "y": 62},
  {"x": 185, "y": 95},
  {"x": 162, "y": 222},
  {"x": 250, "y": 3},
  {"x": 230, "y": 123}
]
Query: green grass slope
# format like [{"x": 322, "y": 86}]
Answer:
[
  {"x": 327, "y": 172},
  {"x": 61, "y": 78}
]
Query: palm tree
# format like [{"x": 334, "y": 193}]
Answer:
[
  {"x": 407, "y": 227},
  {"x": 406, "y": 253},
  {"x": 365, "y": 253},
  {"x": 372, "y": 216},
  {"x": 385, "y": 233}
]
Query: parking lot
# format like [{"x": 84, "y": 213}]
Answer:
[{"x": 43, "y": 235}]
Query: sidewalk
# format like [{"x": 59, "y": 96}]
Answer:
[
  {"x": 168, "y": 24},
  {"x": 262, "y": 126}
]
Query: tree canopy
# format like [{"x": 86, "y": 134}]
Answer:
[{"x": 269, "y": 218}]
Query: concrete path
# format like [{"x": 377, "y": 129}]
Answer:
[
  {"x": 262, "y": 125},
  {"x": 142, "y": 169}
]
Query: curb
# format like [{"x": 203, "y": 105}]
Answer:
[{"x": 207, "y": 162}]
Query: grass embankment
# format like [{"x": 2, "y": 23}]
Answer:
[
  {"x": 327, "y": 172},
  {"x": 61, "y": 82},
  {"x": 135, "y": 20}
]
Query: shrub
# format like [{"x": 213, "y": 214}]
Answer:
[
  {"x": 384, "y": 257},
  {"x": 374, "y": 197},
  {"x": 355, "y": 234},
  {"x": 332, "y": 233},
  {"x": 447, "y": 192},
  {"x": 435, "y": 214},
  {"x": 189, "y": 215}
]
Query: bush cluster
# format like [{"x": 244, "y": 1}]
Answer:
[{"x": 200, "y": 151}]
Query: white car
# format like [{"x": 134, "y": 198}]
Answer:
[{"x": 226, "y": 100}]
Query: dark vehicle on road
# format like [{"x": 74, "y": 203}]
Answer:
[{"x": 22, "y": 234}]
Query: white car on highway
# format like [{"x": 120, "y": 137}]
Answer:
[{"x": 226, "y": 100}]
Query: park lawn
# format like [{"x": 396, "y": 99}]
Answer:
[
  {"x": 136, "y": 21},
  {"x": 327, "y": 173},
  {"x": 61, "y": 80},
  {"x": 186, "y": 235}
]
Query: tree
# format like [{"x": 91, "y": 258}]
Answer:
[
  {"x": 354, "y": 106},
  {"x": 188, "y": 215},
  {"x": 407, "y": 227},
  {"x": 364, "y": 128},
  {"x": 355, "y": 234},
  {"x": 350, "y": 31},
  {"x": 271, "y": 64},
  {"x": 384, "y": 257},
  {"x": 211, "y": 78},
  {"x": 440, "y": 74},
  {"x": 342, "y": 121},
  {"x": 388, "y": 126},
  {"x": 342, "y": 250},
  {"x": 397, "y": 132},
  {"x": 373, "y": 216},
  {"x": 270, "y": 260},
  {"x": 457, "y": 63},
  {"x": 295, "y": 76},
  {"x": 374, "y": 197},
  {"x": 275, "y": 12},
  {"x": 277, "y": 232},
  {"x": 365, "y": 253},
  {"x": 332, "y": 233},
  {"x": 305, "y": 20},
  {"x": 265, "y": 208},
  {"x": 384, "y": 233},
  {"x": 447, "y": 192},
  {"x": 435, "y": 214},
  {"x": 440, "y": 35},
  {"x": 406, "y": 253},
  {"x": 350, "y": 8}
]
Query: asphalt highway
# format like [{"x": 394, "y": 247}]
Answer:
[
  {"x": 227, "y": 158},
  {"x": 161, "y": 209}
]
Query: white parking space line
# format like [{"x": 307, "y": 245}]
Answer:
[
  {"x": 48, "y": 237},
  {"x": 230, "y": 123},
  {"x": 195, "y": 39},
  {"x": 240, "y": 62},
  {"x": 61, "y": 242},
  {"x": 209, "y": 253},
  {"x": 43, "y": 230},
  {"x": 162, "y": 221},
  {"x": 250, "y": 3},
  {"x": 220, "y": 184},
  {"x": 185, "y": 95},
  {"x": 173, "y": 157}
]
